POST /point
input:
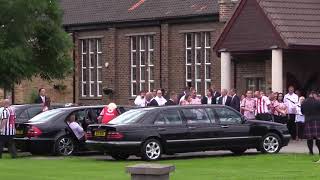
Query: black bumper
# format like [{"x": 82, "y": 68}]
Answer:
[
  {"x": 35, "y": 144},
  {"x": 128, "y": 147},
  {"x": 286, "y": 139}
]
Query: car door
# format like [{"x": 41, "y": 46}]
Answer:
[
  {"x": 201, "y": 130},
  {"x": 234, "y": 132},
  {"x": 172, "y": 129}
]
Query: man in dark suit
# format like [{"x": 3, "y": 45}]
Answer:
[
  {"x": 151, "y": 102},
  {"x": 235, "y": 100},
  {"x": 224, "y": 99},
  {"x": 173, "y": 99},
  {"x": 216, "y": 94},
  {"x": 42, "y": 98}
]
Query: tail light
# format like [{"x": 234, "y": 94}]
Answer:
[
  {"x": 34, "y": 132},
  {"x": 114, "y": 136},
  {"x": 88, "y": 134}
]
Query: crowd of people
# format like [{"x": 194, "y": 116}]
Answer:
[{"x": 271, "y": 106}]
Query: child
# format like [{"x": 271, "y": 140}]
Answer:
[{"x": 299, "y": 119}]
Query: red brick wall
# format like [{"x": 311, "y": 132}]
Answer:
[
  {"x": 169, "y": 54},
  {"x": 24, "y": 91},
  {"x": 226, "y": 9}
]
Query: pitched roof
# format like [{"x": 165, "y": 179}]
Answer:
[
  {"x": 77, "y": 12},
  {"x": 297, "y": 21},
  {"x": 294, "y": 24}
]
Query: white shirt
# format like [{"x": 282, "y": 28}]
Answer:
[
  {"x": 161, "y": 101},
  {"x": 299, "y": 115},
  {"x": 141, "y": 102},
  {"x": 291, "y": 101},
  {"x": 77, "y": 129},
  {"x": 43, "y": 99},
  {"x": 209, "y": 100},
  {"x": 224, "y": 99}
]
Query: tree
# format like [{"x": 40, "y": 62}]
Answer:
[{"x": 32, "y": 41}]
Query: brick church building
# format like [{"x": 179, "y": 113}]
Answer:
[{"x": 134, "y": 45}]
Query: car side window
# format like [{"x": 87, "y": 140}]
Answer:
[
  {"x": 211, "y": 115},
  {"x": 227, "y": 116},
  {"x": 23, "y": 115},
  {"x": 169, "y": 117},
  {"x": 33, "y": 111},
  {"x": 196, "y": 116}
]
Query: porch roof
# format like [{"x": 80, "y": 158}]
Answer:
[{"x": 260, "y": 24}]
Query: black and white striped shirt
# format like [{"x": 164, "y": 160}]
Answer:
[{"x": 8, "y": 115}]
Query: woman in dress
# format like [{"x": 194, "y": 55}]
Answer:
[
  {"x": 280, "y": 110},
  {"x": 248, "y": 106}
]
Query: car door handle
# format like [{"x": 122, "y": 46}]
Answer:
[
  {"x": 224, "y": 126},
  {"x": 161, "y": 129},
  {"x": 192, "y": 128}
]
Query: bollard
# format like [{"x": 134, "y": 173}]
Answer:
[{"x": 150, "y": 171}]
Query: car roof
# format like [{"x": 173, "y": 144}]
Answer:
[{"x": 182, "y": 107}]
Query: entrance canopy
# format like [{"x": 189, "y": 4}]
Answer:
[
  {"x": 262, "y": 24},
  {"x": 274, "y": 27}
]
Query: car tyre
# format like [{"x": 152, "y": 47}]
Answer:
[
  {"x": 238, "y": 151},
  {"x": 151, "y": 150},
  {"x": 64, "y": 146},
  {"x": 120, "y": 157},
  {"x": 270, "y": 143}
]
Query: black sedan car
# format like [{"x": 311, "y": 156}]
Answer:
[
  {"x": 151, "y": 132},
  {"x": 48, "y": 132}
]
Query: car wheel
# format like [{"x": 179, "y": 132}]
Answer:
[
  {"x": 238, "y": 151},
  {"x": 270, "y": 143},
  {"x": 120, "y": 156},
  {"x": 151, "y": 150},
  {"x": 64, "y": 146}
]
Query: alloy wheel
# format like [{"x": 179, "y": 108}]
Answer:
[
  {"x": 271, "y": 144},
  {"x": 65, "y": 146},
  {"x": 153, "y": 150}
]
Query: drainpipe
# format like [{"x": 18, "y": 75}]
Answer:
[
  {"x": 74, "y": 68},
  {"x": 160, "y": 55}
]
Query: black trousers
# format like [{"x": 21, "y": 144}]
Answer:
[
  {"x": 264, "y": 117},
  {"x": 292, "y": 125},
  {"x": 300, "y": 130},
  {"x": 281, "y": 119},
  {"x": 9, "y": 142}
]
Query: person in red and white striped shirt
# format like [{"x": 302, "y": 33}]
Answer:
[
  {"x": 7, "y": 129},
  {"x": 262, "y": 107}
]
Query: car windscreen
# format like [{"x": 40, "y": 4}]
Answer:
[
  {"x": 46, "y": 116},
  {"x": 129, "y": 117}
]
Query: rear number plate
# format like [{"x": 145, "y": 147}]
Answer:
[
  {"x": 100, "y": 133},
  {"x": 19, "y": 132}
]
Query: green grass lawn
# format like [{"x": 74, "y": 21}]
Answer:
[{"x": 255, "y": 167}]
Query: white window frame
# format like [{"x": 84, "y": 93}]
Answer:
[
  {"x": 197, "y": 51},
  {"x": 207, "y": 62},
  {"x": 133, "y": 79},
  {"x": 83, "y": 83},
  {"x": 150, "y": 65},
  {"x": 142, "y": 82},
  {"x": 91, "y": 68},
  {"x": 186, "y": 52},
  {"x": 99, "y": 67}
]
